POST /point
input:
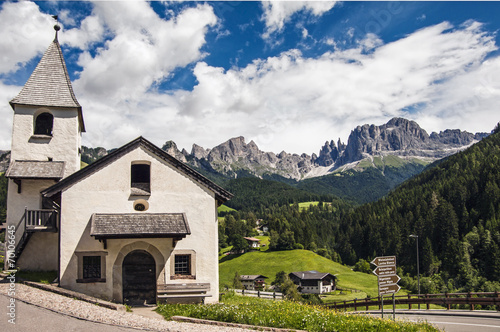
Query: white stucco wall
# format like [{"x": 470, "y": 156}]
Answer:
[
  {"x": 40, "y": 254},
  {"x": 108, "y": 191},
  {"x": 63, "y": 146},
  {"x": 41, "y": 251}
]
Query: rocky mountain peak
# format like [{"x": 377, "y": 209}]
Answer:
[
  {"x": 199, "y": 152},
  {"x": 402, "y": 137},
  {"x": 171, "y": 148}
]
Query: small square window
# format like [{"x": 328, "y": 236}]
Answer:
[
  {"x": 183, "y": 264},
  {"x": 91, "y": 267}
]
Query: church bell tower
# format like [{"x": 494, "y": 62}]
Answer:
[{"x": 48, "y": 120}]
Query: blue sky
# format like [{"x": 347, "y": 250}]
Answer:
[{"x": 288, "y": 75}]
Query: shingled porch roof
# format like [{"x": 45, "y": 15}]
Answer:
[
  {"x": 139, "y": 225},
  {"x": 27, "y": 169}
]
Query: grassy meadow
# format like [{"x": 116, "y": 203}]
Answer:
[{"x": 269, "y": 263}]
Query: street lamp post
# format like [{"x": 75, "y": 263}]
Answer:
[{"x": 418, "y": 268}]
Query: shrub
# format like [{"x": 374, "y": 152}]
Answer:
[
  {"x": 298, "y": 246},
  {"x": 286, "y": 314},
  {"x": 362, "y": 266}
]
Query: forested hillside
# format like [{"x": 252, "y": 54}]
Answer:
[
  {"x": 251, "y": 193},
  {"x": 369, "y": 181},
  {"x": 453, "y": 207}
]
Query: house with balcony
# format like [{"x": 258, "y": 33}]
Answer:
[
  {"x": 253, "y": 243},
  {"x": 253, "y": 282},
  {"x": 313, "y": 282},
  {"x": 137, "y": 226}
]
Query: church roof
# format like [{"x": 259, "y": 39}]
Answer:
[
  {"x": 27, "y": 169},
  {"x": 138, "y": 225},
  {"x": 49, "y": 84},
  {"x": 221, "y": 194}
]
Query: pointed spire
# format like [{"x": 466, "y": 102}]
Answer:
[
  {"x": 49, "y": 84},
  {"x": 56, "y": 27}
]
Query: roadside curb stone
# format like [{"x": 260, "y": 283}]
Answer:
[
  {"x": 76, "y": 295},
  {"x": 243, "y": 326}
]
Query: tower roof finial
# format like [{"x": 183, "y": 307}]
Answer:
[{"x": 56, "y": 27}]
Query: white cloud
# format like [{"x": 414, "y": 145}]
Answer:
[
  {"x": 24, "y": 34},
  {"x": 144, "y": 49},
  {"x": 277, "y": 13},
  {"x": 288, "y": 102},
  {"x": 90, "y": 31}
]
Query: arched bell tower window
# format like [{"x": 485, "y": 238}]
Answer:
[{"x": 44, "y": 123}]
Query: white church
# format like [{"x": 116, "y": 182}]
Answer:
[{"x": 137, "y": 226}]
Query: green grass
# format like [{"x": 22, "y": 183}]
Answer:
[
  {"x": 285, "y": 314},
  {"x": 270, "y": 262},
  {"x": 389, "y": 161},
  {"x": 225, "y": 250},
  {"x": 44, "y": 277},
  {"x": 394, "y": 161},
  {"x": 224, "y": 208},
  {"x": 377, "y": 161},
  {"x": 365, "y": 163},
  {"x": 305, "y": 205},
  {"x": 263, "y": 240}
]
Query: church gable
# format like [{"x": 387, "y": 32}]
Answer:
[{"x": 134, "y": 175}]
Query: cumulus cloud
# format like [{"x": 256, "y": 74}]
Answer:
[
  {"x": 287, "y": 101},
  {"x": 24, "y": 34},
  {"x": 277, "y": 13},
  {"x": 90, "y": 31},
  {"x": 143, "y": 50}
]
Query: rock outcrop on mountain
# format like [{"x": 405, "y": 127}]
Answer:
[
  {"x": 329, "y": 153},
  {"x": 171, "y": 148},
  {"x": 403, "y": 137},
  {"x": 4, "y": 160},
  {"x": 236, "y": 155}
]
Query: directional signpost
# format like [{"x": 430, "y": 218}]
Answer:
[{"x": 387, "y": 279}]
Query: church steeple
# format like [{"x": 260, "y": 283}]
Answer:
[
  {"x": 48, "y": 120},
  {"x": 49, "y": 85}
]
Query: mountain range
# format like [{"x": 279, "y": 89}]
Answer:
[{"x": 399, "y": 137}]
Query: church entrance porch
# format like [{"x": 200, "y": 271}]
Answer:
[{"x": 139, "y": 278}]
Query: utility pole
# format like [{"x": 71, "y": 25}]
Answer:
[{"x": 418, "y": 269}]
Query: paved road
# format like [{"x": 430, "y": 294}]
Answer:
[
  {"x": 30, "y": 318},
  {"x": 455, "y": 323}
]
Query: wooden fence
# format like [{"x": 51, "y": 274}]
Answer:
[
  {"x": 445, "y": 299},
  {"x": 262, "y": 294}
]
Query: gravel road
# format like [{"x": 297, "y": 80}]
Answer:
[{"x": 61, "y": 307}]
